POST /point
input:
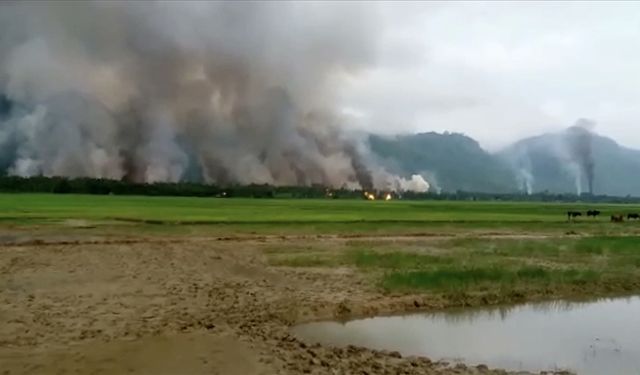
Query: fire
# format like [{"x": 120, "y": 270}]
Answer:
[{"x": 372, "y": 196}]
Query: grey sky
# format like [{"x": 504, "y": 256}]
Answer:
[{"x": 499, "y": 71}]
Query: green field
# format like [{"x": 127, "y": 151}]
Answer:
[
  {"x": 573, "y": 266},
  {"x": 165, "y": 215},
  {"x": 25, "y": 207},
  {"x": 426, "y": 246}
]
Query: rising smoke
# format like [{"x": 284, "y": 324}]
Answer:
[
  {"x": 523, "y": 169},
  {"x": 525, "y": 180},
  {"x": 578, "y": 140},
  {"x": 218, "y": 92}
]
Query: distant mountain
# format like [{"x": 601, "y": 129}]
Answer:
[
  {"x": 449, "y": 161},
  {"x": 555, "y": 162},
  {"x": 550, "y": 161}
]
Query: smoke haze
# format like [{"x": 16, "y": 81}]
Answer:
[
  {"x": 578, "y": 140},
  {"x": 218, "y": 92}
]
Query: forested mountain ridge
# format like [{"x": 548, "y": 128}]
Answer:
[
  {"x": 616, "y": 169},
  {"x": 452, "y": 162}
]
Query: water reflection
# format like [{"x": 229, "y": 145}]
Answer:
[{"x": 597, "y": 337}]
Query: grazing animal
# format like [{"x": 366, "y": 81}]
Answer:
[
  {"x": 617, "y": 218},
  {"x": 573, "y": 214},
  {"x": 593, "y": 213},
  {"x": 633, "y": 216}
]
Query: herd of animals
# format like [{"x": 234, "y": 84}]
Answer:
[{"x": 616, "y": 218}]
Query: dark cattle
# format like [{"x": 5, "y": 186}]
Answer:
[
  {"x": 617, "y": 218},
  {"x": 593, "y": 213},
  {"x": 573, "y": 214},
  {"x": 633, "y": 216}
]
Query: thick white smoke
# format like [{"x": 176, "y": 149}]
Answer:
[
  {"x": 387, "y": 181},
  {"x": 417, "y": 183},
  {"x": 223, "y": 92}
]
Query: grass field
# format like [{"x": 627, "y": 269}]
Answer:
[
  {"x": 25, "y": 207},
  {"x": 571, "y": 265},
  {"x": 536, "y": 248},
  {"x": 83, "y": 276}
]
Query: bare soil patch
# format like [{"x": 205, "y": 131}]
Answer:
[{"x": 189, "y": 306}]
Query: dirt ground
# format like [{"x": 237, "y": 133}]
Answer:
[{"x": 187, "y": 306}]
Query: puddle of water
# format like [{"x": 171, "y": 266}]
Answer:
[{"x": 594, "y": 338}]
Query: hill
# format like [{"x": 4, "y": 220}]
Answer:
[
  {"x": 555, "y": 162},
  {"x": 547, "y": 162},
  {"x": 450, "y": 161}
]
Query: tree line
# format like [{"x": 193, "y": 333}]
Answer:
[{"x": 63, "y": 185}]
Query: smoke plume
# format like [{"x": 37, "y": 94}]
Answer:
[
  {"x": 417, "y": 183},
  {"x": 578, "y": 140},
  {"x": 521, "y": 164},
  {"x": 525, "y": 179},
  {"x": 221, "y": 92}
]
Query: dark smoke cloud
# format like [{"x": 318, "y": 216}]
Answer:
[
  {"x": 238, "y": 92},
  {"x": 579, "y": 140}
]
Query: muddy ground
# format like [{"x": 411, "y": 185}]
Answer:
[{"x": 184, "y": 306}]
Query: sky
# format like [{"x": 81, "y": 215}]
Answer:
[{"x": 500, "y": 71}]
